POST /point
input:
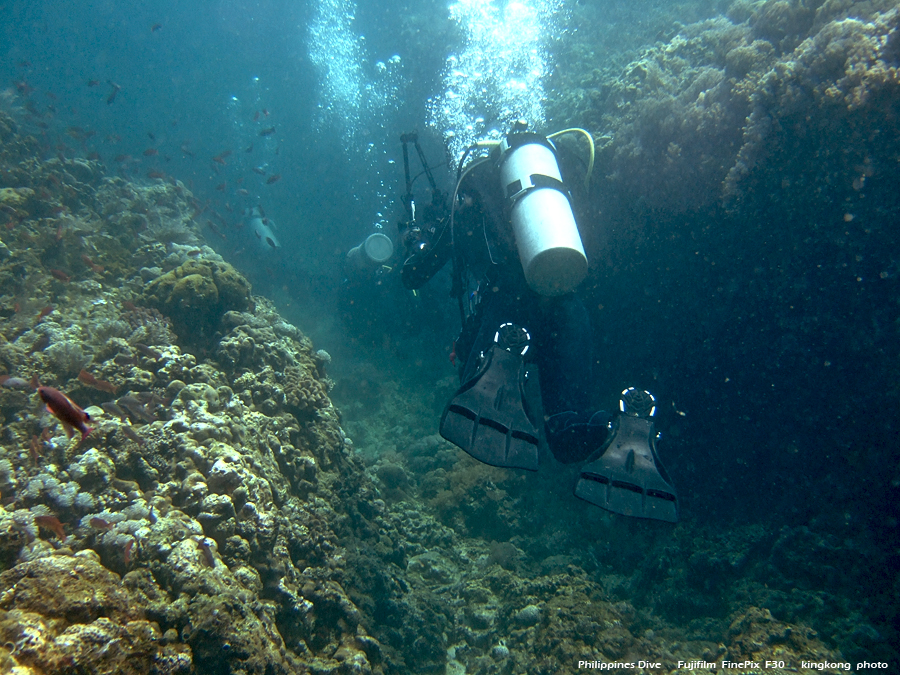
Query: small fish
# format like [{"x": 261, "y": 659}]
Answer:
[
  {"x": 155, "y": 27},
  {"x": 184, "y": 149},
  {"x": 148, "y": 351},
  {"x": 220, "y": 187},
  {"x": 274, "y": 178},
  {"x": 100, "y": 524},
  {"x": 123, "y": 359},
  {"x": 93, "y": 83},
  {"x": 35, "y": 450},
  {"x": 259, "y": 170},
  {"x": 87, "y": 378},
  {"x": 249, "y": 148},
  {"x": 51, "y": 523},
  {"x": 13, "y": 382},
  {"x": 267, "y": 131},
  {"x": 129, "y": 431},
  {"x": 244, "y": 192},
  {"x": 66, "y": 411},
  {"x": 112, "y": 95},
  {"x": 126, "y": 553},
  {"x": 94, "y": 155},
  {"x": 220, "y": 158},
  {"x": 136, "y": 408},
  {"x": 113, "y": 409},
  {"x": 61, "y": 276},
  {"x": 156, "y": 174},
  {"x": 206, "y": 549},
  {"x": 97, "y": 269},
  {"x": 151, "y": 152},
  {"x": 211, "y": 225}
]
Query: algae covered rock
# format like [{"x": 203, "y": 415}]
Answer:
[
  {"x": 197, "y": 294},
  {"x": 55, "y": 610}
]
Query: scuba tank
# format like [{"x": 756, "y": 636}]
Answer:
[{"x": 547, "y": 238}]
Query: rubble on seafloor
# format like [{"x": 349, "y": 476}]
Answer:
[{"x": 218, "y": 519}]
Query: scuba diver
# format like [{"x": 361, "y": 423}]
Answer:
[{"x": 525, "y": 347}]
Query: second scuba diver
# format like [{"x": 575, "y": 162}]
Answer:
[{"x": 509, "y": 230}]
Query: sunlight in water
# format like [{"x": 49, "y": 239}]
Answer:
[{"x": 498, "y": 75}]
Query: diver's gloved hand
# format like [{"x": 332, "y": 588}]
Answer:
[{"x": 572, "y": 436}]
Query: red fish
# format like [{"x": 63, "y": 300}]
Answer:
[
  {"x": 35, "y": 450},
  {"x": 66, "y": 411},
  {"x": 91, "y": 381},
  {"x": 273, "y": 179},
  {"x": 62, "y": 276},
  {"x": 220, "y": 158},
  {"x": 51, "y": 523},
  {"x": 97, "y": 269}
]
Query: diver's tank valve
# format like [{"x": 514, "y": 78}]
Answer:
[{"x": 547, "y": 238}]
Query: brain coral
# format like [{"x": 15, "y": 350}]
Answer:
[{"x": 196, "y": 295}]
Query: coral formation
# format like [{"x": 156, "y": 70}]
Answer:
[
  {"x": 197, "y": 294},
  {"x": 726, "y": 97}
]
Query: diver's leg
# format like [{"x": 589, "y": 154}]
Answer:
[{"x": 564, "y": 352}]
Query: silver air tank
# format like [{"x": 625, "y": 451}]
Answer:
[{"x": 547, "y": 237}]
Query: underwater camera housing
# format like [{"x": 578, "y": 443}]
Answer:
[{"x": 547, "y": 237}]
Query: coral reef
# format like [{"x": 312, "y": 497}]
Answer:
[{"x": 776, "y": 83}]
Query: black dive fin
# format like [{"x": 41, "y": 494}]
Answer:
[
  {"x": 487, "y": 416},
  {"x": 626, "y": 478}
]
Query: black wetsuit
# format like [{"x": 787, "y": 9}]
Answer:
[{"x": 482, "y": 241}]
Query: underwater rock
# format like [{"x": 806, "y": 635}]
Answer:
[
  {"x": 16, "y": 198},
  {"x": 57, "y": 609},
  {"x": 529, "y": 615}
]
